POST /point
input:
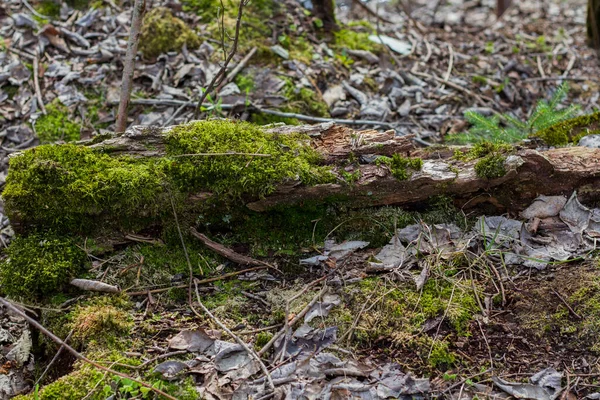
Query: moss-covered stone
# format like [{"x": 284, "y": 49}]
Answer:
[
  {"x": 39, "y": 264},
  {"x": 67, "y": 186},
  {"x": 162, "y": 32},
  {"x": 57, "y": 125},
  {"x": 570, "y": 130}
]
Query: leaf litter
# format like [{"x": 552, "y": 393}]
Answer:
[{"x": 83, "y": 49}]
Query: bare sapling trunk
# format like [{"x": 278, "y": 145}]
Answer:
[{"x": 129, "y": 63}]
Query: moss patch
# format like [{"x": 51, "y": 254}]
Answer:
[
  {"x": 354, "y": 40},
  {"x": 491, "y": 158},
  {"x": 290, "y": 157},
  {"x": 103, "y": 320},
  {"x": 162, "y": 32},
  {"x": 68, "y": 187},
  {"x": 397, "y": 315},
  {"x": 571, "y": 130},
  {"x": 74, "y": 386},
  {"x": 38, "y": 265},
  {"x": 57, "y": 125},
  {"x": 402, "y": 167}
]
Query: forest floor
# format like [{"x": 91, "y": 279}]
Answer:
[{"x": 448, "y": 325}]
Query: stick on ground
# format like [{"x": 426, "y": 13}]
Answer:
[{"x": 77, "y": 354}]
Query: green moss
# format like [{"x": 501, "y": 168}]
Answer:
[
  {"x": 440, "y": 356},
  {"x": 482, "y": 80},
  {"x": 301, "y": 49},
  {"x": 10, "y": 90},
  {"x": 57, "y": 125},
  {"x": 253, "y": 31},
  {"x": 162, "y": 32},
  {"x": 244, "y": 82},
  {"x": 483, "y": 149},
  {"x": 70, "y": 186},
  {"x": 570, "y": 130},
  {"x": 491, "y": 166},
  {"x": 262, "y": 338},
  {"x": 38, "y": 265},
  {"x": 48, "y": 8},
  {"x": 102, "y": 320},
  {"x": 353, "y": 40},
  {"x": 491, "y": 158},
  {"x": 67, "y": 186},
  {"x": 74, "y": 386},
  {"x": 402, "y": 167},
  {"x": 235, "y": 175},
  {"x": 303, "y": 101},
  {"x": 397, "y": 314}
]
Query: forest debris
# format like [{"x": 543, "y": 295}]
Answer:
[
  {"x": 21, "y": 350},
  {"x": 398, "y": 46},
  {"x": 544, "y": 206},
  {"x": 170, "y": 369},
  {"x": 545, "y": 385},
  {"x": 94, "y": 286},
  {"x": 193, "y": 341},
  {"x": 224, "y": 251},
  {"x": 335, "y": 252}
]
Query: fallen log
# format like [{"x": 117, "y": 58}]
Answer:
[{"x": 126, "y": 181}]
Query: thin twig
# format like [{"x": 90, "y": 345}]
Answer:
[
  {"x": 207, "y": 280},
  {"x": 566, "y": 304},
  {"x": 185, "y": 252},
  {"x": 34, "y": 11},
  {"x": 250, "y": 352},
  {"x": 36, "y": 84},
  {"x": 301, "y": 117},
  {"x": 297, "y": 318},
  {"x": 150, "y": 361},
  {"x": 288, "y": 302},
  {"x": 74, "y": 352},
  {"x": 255, "y": 297},
  {"x": 60, "y": 349},
  {"x": 128, "y": 65},
  {"x": 487, "y": 344},
  {"x": 240, "y": 65},
  {"x": 450, "y": 64},
  {"x": 228, "y": 253},
  {"x": 231, "y": 153},
  {"x": 218, "y": 78}
]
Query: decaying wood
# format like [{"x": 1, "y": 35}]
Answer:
[
  {"x": 529, "y": 172},
  {"x": 224, "y": 251}
]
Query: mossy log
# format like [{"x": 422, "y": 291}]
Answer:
[{"x": 131, "y": 181}]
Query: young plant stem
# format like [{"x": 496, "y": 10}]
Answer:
[
  {"x": 218, "y": 78},
  {"x": 128, "y": 65}
]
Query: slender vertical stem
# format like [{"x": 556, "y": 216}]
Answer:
[{"x": 128, "y": 65}]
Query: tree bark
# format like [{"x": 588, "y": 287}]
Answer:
[
  {"x": 530, "y": 173},
  {"x": 593, "y": 23},
  {"x": 325, "y": 11}
]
